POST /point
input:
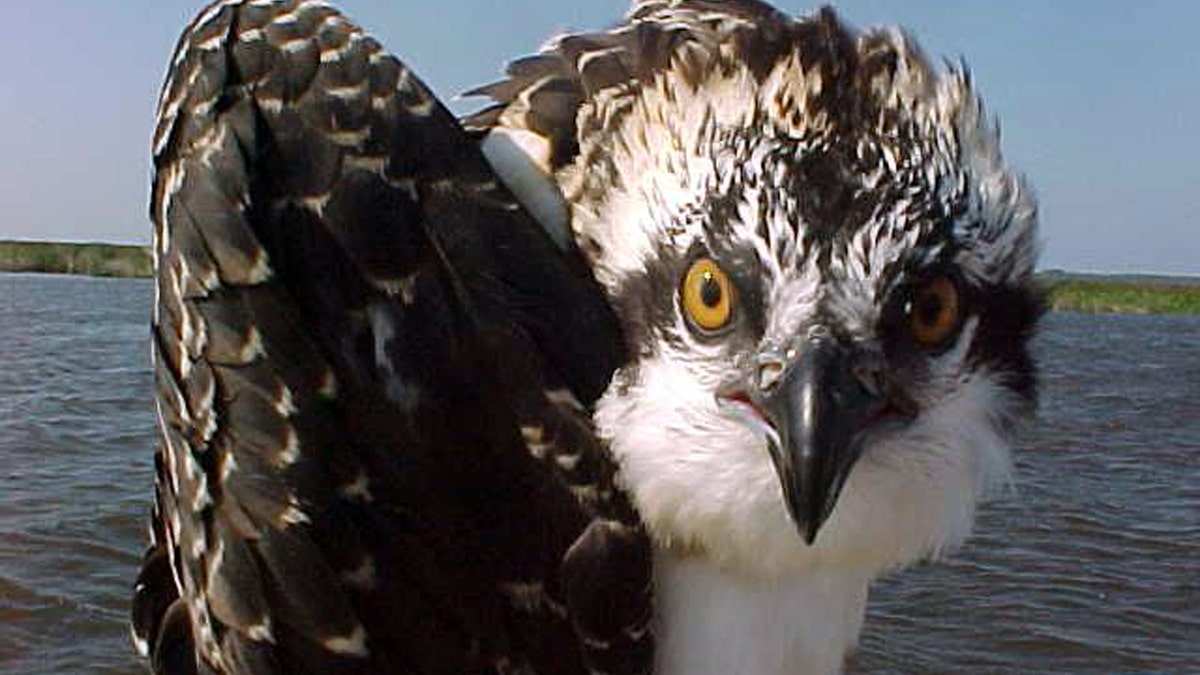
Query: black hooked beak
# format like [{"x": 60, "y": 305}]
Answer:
[{"x": 816, "y": 407}]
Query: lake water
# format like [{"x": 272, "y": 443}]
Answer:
[{"x": 1092, "y": 566}]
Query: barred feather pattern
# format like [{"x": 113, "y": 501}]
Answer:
[{"x": 345, "y": 361}]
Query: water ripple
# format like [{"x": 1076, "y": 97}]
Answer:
[{"x": 1093, "y": 566}]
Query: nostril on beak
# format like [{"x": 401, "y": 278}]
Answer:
[{"x": 770, "y": 371}]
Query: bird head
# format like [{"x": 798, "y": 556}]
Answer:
[{"x": 822, "y": 266}]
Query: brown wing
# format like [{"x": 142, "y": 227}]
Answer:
[{"x": 353, "y": 323}]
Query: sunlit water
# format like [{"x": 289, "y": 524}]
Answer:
[{"x": 1093, "y": 566}]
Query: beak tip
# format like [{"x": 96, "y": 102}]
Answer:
[
  {"x": 809, "y": 529},
  {"x": 808, "y": 524}
]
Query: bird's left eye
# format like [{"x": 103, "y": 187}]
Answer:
[
  {"x": 707, "y": 295},
  {"x": 933, "y": 311}
]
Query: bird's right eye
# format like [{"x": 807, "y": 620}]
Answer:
[{"x": 707, "y": 295}]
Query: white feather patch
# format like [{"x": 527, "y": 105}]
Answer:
[
  {"x": 711, "y": 623},
  {"x": 354, "y": 644}
]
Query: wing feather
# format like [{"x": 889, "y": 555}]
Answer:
[{"x": 353, "y": 319}]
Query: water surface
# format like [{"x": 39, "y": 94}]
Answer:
[{"x": 1093, "y": 566}]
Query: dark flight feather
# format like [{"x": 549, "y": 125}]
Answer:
[{"x": 355, "y": 329}]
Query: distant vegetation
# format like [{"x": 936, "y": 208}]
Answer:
[
  {"x": 1123, "y": 296},
  {"x": 99, "y": 260},
  {"x": 1129, "y": 294}
]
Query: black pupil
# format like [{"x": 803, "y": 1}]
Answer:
[
  {"x": 710, "y": 291},
  {"x": 929, "y": 308}
]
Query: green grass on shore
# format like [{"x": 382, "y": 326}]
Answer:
[
  {"x": 99, "y": 260},
  {"x": 1125, "y": 297}
]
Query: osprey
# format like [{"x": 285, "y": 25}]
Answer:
[{"x": 652, "y": 365}]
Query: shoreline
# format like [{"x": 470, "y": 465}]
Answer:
[
  {"x": 96, "y": 260},
  {"x": 1065, "y": 291},
  {"x": 1097, "y": 296}
]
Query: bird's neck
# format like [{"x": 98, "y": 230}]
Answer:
[{"x": 711, "y": 622}]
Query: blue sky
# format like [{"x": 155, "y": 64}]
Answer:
[{"x": 1099, "y": 103}]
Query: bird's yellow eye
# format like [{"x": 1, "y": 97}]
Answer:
[
  {"x": 933, "y": 311},
  {"x": 707, "y": 295}
]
